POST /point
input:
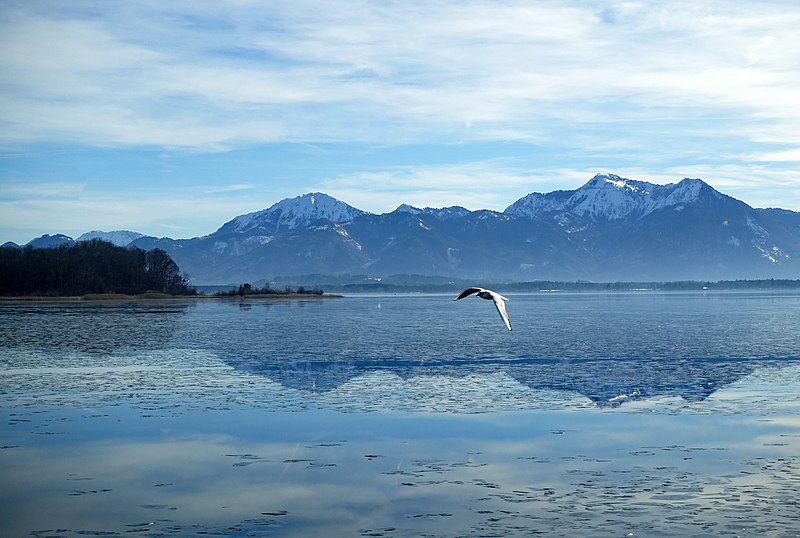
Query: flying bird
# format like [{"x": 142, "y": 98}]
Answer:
[{"x": 499, "y": 301}]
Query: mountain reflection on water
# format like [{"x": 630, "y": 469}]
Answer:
[
  {"x": 604, "y": 382},
  {"x": 610, "y": 348}
]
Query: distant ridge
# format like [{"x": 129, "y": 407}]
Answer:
[
  {"x": 120, "y": 238},
  {"x": 50, "y": 241},
  {"x": 610, "y": 197},
  {"x": 610, "y": 229}
]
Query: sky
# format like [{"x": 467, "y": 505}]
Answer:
[{"x": 171, "y": 118}]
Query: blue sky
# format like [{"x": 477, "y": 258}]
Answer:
[{"x": 170, "y": 118}]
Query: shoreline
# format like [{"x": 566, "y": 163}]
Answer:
[{"x": 164, "y": 296}]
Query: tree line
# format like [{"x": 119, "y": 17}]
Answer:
[
  {"x": 88, "y": 267},
  {"x": 249, "y": 289}
]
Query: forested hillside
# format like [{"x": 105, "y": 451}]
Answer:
[{"x": 94, "y": 266}]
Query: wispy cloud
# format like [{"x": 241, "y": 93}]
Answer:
[
  {"x": 230, "y": 188},
  {"x": 785, "y": 156},
  {"x": 218, "y": 74},
  {"x": 25, "y": 191}
]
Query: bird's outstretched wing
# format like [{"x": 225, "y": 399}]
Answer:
[
  {"x": 467, "y": 292},
  {"x": 499, "y": 302}
]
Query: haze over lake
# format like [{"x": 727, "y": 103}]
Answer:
[{"x": 638, "y": 413}]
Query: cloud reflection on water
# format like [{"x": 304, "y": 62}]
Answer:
[{"x": 554, "y": 472}]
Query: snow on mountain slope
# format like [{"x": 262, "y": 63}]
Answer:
[
  {"x": 121, "y": 238},
  {"x": 610, "y": 197},
  {"x": 438, "y": 212},
  {"x": 292, "y": 213}
]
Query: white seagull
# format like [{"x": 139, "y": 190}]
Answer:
[{"x": 499, "y": 301}]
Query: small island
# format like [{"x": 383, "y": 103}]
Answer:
[{"x": 247, "y": 291}]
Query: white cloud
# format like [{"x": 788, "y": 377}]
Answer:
[
  {"x": 215, "y": 74},
  {"x": 753, "y": 54},
  {"x": 41, "y": 190},
  {"x": 230, "y": 188},
  {"x": 787, "y": 156}
]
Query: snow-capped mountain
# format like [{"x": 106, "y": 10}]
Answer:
[
  {"x": 121, "y": 238},
  {"x": 610, "y": 197},
  {"x": 609, "y": 229},
  {"x": 292, "y": 213}
]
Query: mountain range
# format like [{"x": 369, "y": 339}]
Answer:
[{"x": 609, "y": 229}]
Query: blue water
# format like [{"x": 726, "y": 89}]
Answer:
[{"x": 642, "y": 413}]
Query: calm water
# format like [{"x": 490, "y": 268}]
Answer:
[{"x": 627, "y": 414}]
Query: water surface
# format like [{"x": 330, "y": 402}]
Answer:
[{"x": 649, "y": 414}]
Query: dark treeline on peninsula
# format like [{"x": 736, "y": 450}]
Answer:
[{"x": 88, "y": 267}]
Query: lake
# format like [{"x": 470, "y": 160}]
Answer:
[{"x": 619, "y": 414}]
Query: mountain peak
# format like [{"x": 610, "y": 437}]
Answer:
[
  {"x": 611, "y": 197},
  {"x": 405, "y": 208},
  {"x": 615, "y": 182},
  {"x": 602, "y": 179},
  {"x": 291, "y": 213}
]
